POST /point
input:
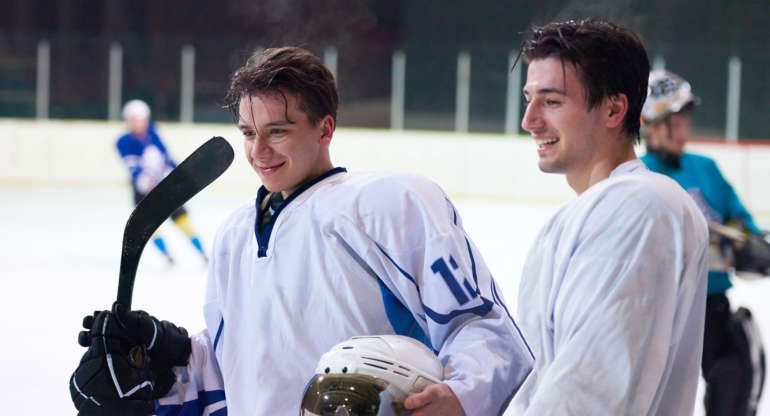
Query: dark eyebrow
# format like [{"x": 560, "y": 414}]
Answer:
[
  {"x": 547, "y": 91},
  {"x": 244, "y": 126},
  {"x": 278, "y": 123}
]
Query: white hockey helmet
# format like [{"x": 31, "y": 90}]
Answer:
[
  {"x": 136, "y": 108},
  {"x": 370, "y": 376},
  {"x": 666, "y": 93}
]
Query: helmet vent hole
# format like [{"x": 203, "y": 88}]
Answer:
[
  {"x": 379, "y": 360},
  {"x": 347, "y": 347},
  {"x": 327, "y": 370},
  {"x": 376, "y": 366},
  {"x": 401, "y": 374},
  {"x": 344, "y": 370}
]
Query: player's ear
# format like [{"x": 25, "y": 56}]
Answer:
[
  {"x": 616, "y": 107},
  {"x": 327, "y": 129}
]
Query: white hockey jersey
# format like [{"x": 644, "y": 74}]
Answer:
[
  {"x": 612, "y": 301},
  {"x": 348, "y": 255}
]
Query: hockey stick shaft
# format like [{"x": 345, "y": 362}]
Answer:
[{"x": 196, "y": 172}]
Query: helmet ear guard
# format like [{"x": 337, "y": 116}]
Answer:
[{"x": 667, "y": 93}]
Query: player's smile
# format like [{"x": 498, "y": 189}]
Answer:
[
  {"x": 545, "y": 144},
  {"x": 269, "y": 170}
]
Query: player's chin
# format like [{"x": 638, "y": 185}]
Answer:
[{"x": 548, "y": 166}]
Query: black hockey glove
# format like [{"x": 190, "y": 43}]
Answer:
[{"x": 128, "y": 362}]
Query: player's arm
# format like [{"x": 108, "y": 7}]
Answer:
[
  {"x": 130, "y": 151},
  {"x": 198, "y": 389},
  {"x": 161, "y": 146},
  {"x": 435, "y": 271},
  {"x": 734, "y": 207},
  {"x": 614, "y": 314}
]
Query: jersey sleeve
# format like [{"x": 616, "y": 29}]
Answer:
[
  {"x": 170, "y": 164},
  {"x": 199, "y": 390},
  {"x": 734, "y": 209},
  {"x": 615, "y": 325},
  {"x": 130, "y": 151},
  {"x": 419, "y": 251}
]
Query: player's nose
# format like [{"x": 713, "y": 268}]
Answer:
[
  {"x": 260, "y": 148},
  {"x": 532, "y": 119}
]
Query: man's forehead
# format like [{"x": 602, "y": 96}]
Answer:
[
  {"x": 267, "y": 108},
  {"x": 550, "y": 75}
]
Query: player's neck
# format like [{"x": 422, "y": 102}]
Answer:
[{"x": 600, "y": 168}]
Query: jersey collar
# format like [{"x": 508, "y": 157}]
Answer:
[{"x": 264, "y": 237}]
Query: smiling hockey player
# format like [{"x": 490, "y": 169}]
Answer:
[
  {"x": 319, "y": 256},
  {"x": 613, "y": 290}
]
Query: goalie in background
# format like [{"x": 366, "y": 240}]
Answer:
[
  {"x": 733, "y": 357},
  {"x": 148, "y": 163}
]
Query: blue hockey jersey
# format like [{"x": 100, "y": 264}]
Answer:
[
  {"x": 146, "y": 158},
  {"x": 701, "y": 178}
]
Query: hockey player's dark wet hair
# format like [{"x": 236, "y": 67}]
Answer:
[
  {"x": 286, "y": 69},
  {"x": 609, "y": 59}
]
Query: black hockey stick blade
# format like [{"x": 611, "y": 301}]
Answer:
[{"x": 196, "y": 172}]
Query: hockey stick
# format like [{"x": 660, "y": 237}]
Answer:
[{"x": 196, "y": 172}]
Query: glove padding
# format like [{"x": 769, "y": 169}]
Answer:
[
  {"x": 105, "y": 383},
  {"x": 128, "y": 363}
]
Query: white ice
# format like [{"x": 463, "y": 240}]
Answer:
[{"x": 59, "y": 260}]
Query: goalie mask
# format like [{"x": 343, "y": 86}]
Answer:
[
  {"x": 370, "y": 376},
  {"x": 666, "y": 93}
]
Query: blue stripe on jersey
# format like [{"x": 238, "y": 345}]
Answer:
[
  {"x": 194, "y": 407},
  {"x": 440, "y": 318},
  {"x": 499, "y": 301},
  {"x": 219, "y": 332},
  {"x": 401, "y": 318},
  {"x": 497, "y": 298},
  {"x": 454, "y": 211},
  {"x": 473, "y": 265},
  {"x": 407, "y": 275},
  {"x": 220, "y": 412}
]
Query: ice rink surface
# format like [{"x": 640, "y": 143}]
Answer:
[{"x": 59, "y": 260}]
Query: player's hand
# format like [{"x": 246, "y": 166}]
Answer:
[
  {"x": 141, "y": 341},
  {"x": 435, "y": 400},
  {"x": 144, "y": 183},
  {"x": 106, "y": 382}
]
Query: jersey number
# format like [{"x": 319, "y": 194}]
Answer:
[{"x": 441, "y": 268}]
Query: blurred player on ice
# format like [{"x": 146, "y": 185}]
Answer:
[
  {"x": 612, "y": 293},
  {"x": 733, "y": 357},
  {"x": 319, "y": 256},
  {"x": 148, "y": 162}
]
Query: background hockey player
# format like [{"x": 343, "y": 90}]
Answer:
[
  {"x": 148, "y": 162},
  {"x": 319, "y": 256},
  {"x": 733, "y": 377},
  {"x": 612, "y": 293}
]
